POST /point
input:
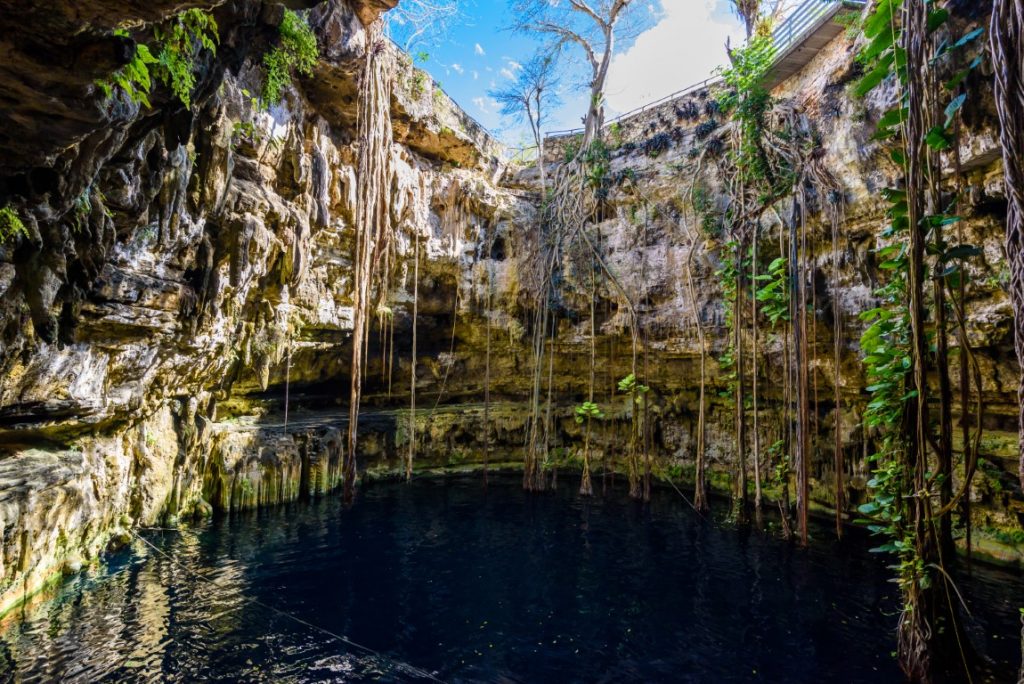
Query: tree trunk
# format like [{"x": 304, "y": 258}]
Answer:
[{"x": 595, "y": 109}]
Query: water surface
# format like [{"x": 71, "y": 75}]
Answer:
[{"x": 471, "y": 585}]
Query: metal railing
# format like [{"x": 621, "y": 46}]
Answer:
[
  {"x": 806, "y": 19},
  {"x": 706, "y": 83},
  {"x": 803, "y": 21}
]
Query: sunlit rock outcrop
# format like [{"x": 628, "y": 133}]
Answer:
[
  {"x": 187, "y": 283},
  {"x": 183, "y": 263}
]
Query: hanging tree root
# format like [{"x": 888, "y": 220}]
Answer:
[{"x": 374, "y": 229}]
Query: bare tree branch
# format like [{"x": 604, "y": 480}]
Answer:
[
  {"x": 414, "y": 22},
  {"x": 581, "y": 6},
  {"x": 592, "y": 25}
]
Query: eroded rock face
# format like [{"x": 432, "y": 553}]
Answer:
[
  {"x": 663, "y": 158},
  {"x": 182, "y": 262},
  {"x": 189, "y": 269}
]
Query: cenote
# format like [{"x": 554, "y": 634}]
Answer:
[
  {"x": 445, "y": 577},
  {"x": 280, "y": 280}
]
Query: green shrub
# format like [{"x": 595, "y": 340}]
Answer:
[
  {"x": 11, "y": 225},
  {"x": 191, "y": 31},
  {"x": 133, "y": 78},
  {"x": 296, "y": 52},
  {"x": 175, "y": 61}
]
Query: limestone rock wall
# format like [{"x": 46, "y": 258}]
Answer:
[
  {"x": 185, "y": 265},
  {"x": 188, "y": 274},
  {"x": 664, "y": 158}
]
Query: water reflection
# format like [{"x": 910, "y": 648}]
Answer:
[{"x": 481, "y": 586}]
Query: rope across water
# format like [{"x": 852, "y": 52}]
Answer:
[{"x": 399, "y": 665}]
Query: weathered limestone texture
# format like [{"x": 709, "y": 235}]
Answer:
[
  {"x": 187, "y": 269},
  {"x": 183, "y": 265}
]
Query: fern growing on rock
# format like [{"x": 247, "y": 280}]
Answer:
[
  {"x": 191, "y": 31},
  {"x": 133, "y": 78},
  {"x": 174, "y": 64},
  {"x": 11, "y": 225},
  {"x": 295, "y": 53}
]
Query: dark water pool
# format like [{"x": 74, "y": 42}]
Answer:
[{"x": 497, "y": 586}]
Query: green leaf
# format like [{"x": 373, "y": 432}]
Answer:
[
  {"x": 143, "y": 53},
  {"x": 937, "y": 139},
  {"x": 953, "y": 83},
  {"x": 894, "y": 194},
  {"x": 879, "y": 19},
  {"x": 873, "y": 77},
  {"x": 953, "y": 107},
  {"x": 869, "y": 508},
  {"x": 961, "y": 252},
  {"x": 969, "y": 38},
  {"x": 936, "y": 19},
  {"x": 893, "y": 117},
  {"x": 883, "y": 41}
]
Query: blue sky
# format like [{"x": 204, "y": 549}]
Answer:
[{"x": 683, "y": 42}]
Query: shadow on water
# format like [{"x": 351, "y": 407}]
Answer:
[{"x": 482, "y": 585}]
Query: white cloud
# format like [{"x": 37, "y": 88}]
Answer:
[
  {"x": 514, "y": 65},
  {"x": 507, "y": 73},
  {"x": 485, "y": 104},
  {"x": 682, "y": 49},
  {"x": 476, "y": 75},
  {"x": 479, "y": 50},
  {"x": 457, "y": 68}
]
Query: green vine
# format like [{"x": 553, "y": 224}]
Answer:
[
  {"x": 728, "y": 278},
  {"x": 886, "y": 346},
  {"x": 749, "y": 101},
  {"x": 773, "y": 295},
  {"x": 887, "y": 343}
]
